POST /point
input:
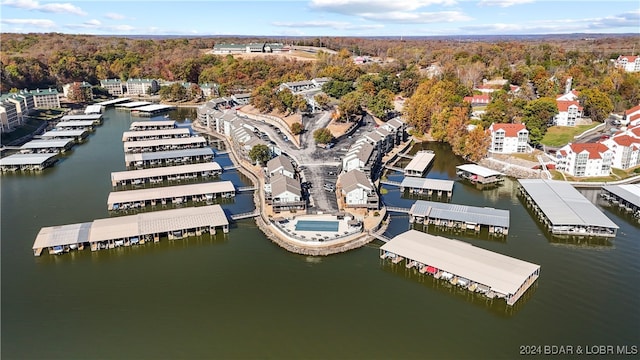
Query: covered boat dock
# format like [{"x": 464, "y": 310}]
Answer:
[
  {"x": 96, "y": 118},
  {"x": 113, "y": 102},
  {"x": 454, "y": 216},
  {"x": 132, "y": 105},
  {"x": 76, "y": 125},
  {"x": 27, "y": 162},
  {"x": 419, "y": 164},
  {"x": 479, "y": 174},
  {"x": 132, "y": 229},
  {"x": 151, "y": 110},
  {"x": 169, "y": 133},
  {"x": 160, "y": 174},
  {"x": 563, "y": 210},
  {"x": 172, "y": 157},
  {"x": 152, "y": 125},
  {"x": 192, "y": 142},
  {"x": 76, "y": 135},
  {"x": 47, "y": 146},
  {"x": 462, "y": 264},
  {"x": 130, "y": 199},
  {"x": 93, "y": 109},
  {"x": 423, "y": 186},
  {"x": 626, "y": 197}
]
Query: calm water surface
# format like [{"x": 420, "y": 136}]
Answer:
[{"x": 240, "y": 296}]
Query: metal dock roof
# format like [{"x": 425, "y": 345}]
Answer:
[
  {"x": 564, "y": 205},
  {"x": 154, "y": 107},
  {"x": 129, "y": 158},
  {"x": 143, "y": 124},
  {"x": 41, "y": 144},
  {"x": 468, "y": 214},
  {"x": 63, "y": 133},
  {"x": 479, "y": 170},
  {"x": 192, "y": 140},
  {"x": 75, "y": 123},
  {"x": 81, "y": 117},
  {"x": 629, "y": 192},
  {"x": 93, "y": 109},
  {"x": 424, "y": 183},
  {"x": 25, "y": 159},
  {"x": 117, "y": 197},
  {"x": 134, "y": 104},
  {"x": 502, "y": 273},
  {"x": 127, "y": 135},
  {"x": 114, "y": 101},
  {"x": 131, "y": 225},
  {"x": 420, "y": 161},
  {"x": 164, "y": 171}
]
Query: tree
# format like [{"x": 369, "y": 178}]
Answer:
[
  {"x": 381, "y": 103},
  {"x": 322, "y": 100},
  {"x": 322, "y": 136},
  {"x": 350, "y": 105},
  {"x": 337, "y": 89},
  {"x": 537, "y": 114},
  {"x": 260, "y": 154},
  {"x": 296, "y": 128},
  {"x": 477, "y": 144},
  {"x": 597, "y": 104}
]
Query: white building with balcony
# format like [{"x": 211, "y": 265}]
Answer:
[
  {"x": 585, "y": 160},
  {"x": 509, "y": 138}
]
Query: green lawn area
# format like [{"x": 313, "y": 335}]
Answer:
[
  {"x": 561, "y": 135},
  {"x": 29, "y": 126}
]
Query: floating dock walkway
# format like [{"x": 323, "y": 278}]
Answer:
[
  {"x": 563, "y": 210},
  {"x": 453, "y": 216},
  {"x": 130, "y": 199},
  {"x": 131, "y": 230},
  {"x": 463, "y": 264},
  {"x": 170, "y": 173}
]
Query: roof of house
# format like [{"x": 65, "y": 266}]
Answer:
[
  {"x": 510, "y": 130},
  {"x": 630, "y": 58},
  {"x": 281, "y": 184},
  {"x": 570, "y": 96},
  {"x": 484, "y": 98},
  {"x": 279, "y": 161},
  {"x": 623, "y": 140},
  {"x": 49, "y": 91},
  {"x": 594, "y": 149},
  {"x": 563, "y": 105},
  {"x": 355, "y": 179},
  {"x": 632, "y": 110}
]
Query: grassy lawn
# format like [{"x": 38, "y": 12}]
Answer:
[
  {"x": 29, "y": 126},
  {"x": 528, "y": 156},
  {"x": 556, "y": 175},
  {"x": 561, "y": 135}
]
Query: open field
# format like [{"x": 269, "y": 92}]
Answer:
[{"x": 561, "y": 135}]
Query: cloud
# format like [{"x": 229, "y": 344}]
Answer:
[
  {"x": 337, "y": 25},
  {"x": 114, "y": 16},
  {"x": 98, "y": 27},
  {"x": 357, "y": 7},
  {"x": 503, "y": 3},
  {"x": 417, "y": 17},
  {"x": 564, "y": 26},
  {"x": 39, "y": 23},
  {"x": 48, "y": 8}
]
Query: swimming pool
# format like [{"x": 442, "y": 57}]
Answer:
[{"x": 316, "y": 225}]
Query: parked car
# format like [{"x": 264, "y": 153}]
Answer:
[{"x": 329, "y": 187}]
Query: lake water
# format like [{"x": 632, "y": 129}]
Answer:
[{"x": 241, "y": 296}]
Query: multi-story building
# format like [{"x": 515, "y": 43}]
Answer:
[
  {"x": 625, "y": 147},
  {"x": 585, "y": 159},
  {"x": 358, "y": 191},
  {"x": 280, "y": 165},
  {"x": 284, "y": 193},
  {"x": 632, "y": 116},
  {"x": 8, "y": 116},
  {"x": 115, "y": 87},
  {"x": 46, "y": 99},
  {"x": 509, "y": 138},
  {"x": 568, "y": 113},
  {"x": 209, "y": 89},
  {"x": 628, "y": 63},
  {"x": 137, "y": 87}
]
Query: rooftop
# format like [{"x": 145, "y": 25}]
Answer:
[
  {"x": 355, "y": 179},
  {"x": 152, "y": 133},
  {"x": 117, "y": 197},
  {"x": 468, "y": 214},
  {"x": 128, "y": 158},
  {"x": 128, "y": 145},
  {"x": 479, "y": 170},
  {"x": 25, "y": 159},
  {"x": 424, "y": 183},
  {"x": 154, "y": 107},
  {"x": 629, "y": 192},
  {"x": 81, "y": 117},
  {"x": 420, "y": 162},
  {"x": 280, "y": 161},
  {"x": 134, "y": 104},
  {"x": 63, "y": 133},
  {"x": 164, "y": 171},
  {"x": 40, "y": 144},
  {"x": 152, "y": 123}
]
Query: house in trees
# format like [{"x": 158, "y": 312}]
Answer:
[
  {"x": 585, "y": 159},
  {"x": 628, "y": 63},
  {"x": 478, "y": 100},
  {"x": 625, "y": 146},
  {"x": 509, "y": 138},
  {"x": 569, "y": 112}
]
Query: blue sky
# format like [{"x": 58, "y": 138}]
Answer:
[{"x": 321, "y": 17}]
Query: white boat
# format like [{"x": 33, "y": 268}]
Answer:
[
  {"x": 119, "y": 242},
  {"x": 73, "y": 246},
  {"x": 57, "y": 250}
]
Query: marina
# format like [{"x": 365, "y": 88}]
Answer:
[
  {"x": 626, "y": 197},
  {"x": 131, "y": 230},
  {"x": 461, "y": 217},
  {"x": 169, "y": 173},
  {"x": 151, "y": 110},
  {"x": 152, "y": 125},
  {"x": 479, "y": 174},
  {"x": 27, "y": 162},
  {"x": 176, "y": 195},
  {"x": 463, "y": 264},
  {"x": 171, "y": 157},
  {"x": 419, "y": 164},
  {"x": 428, "y": 187},
  {"x": 169, "y": 133},
  {"x": 563, "y": 210},
  {"x": 182, "y": 143},
  {"x": 47, "y": 146},
  {"x": 76, "y": 135}
]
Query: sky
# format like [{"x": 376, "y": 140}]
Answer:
[{"x": 320, "y": 17}]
